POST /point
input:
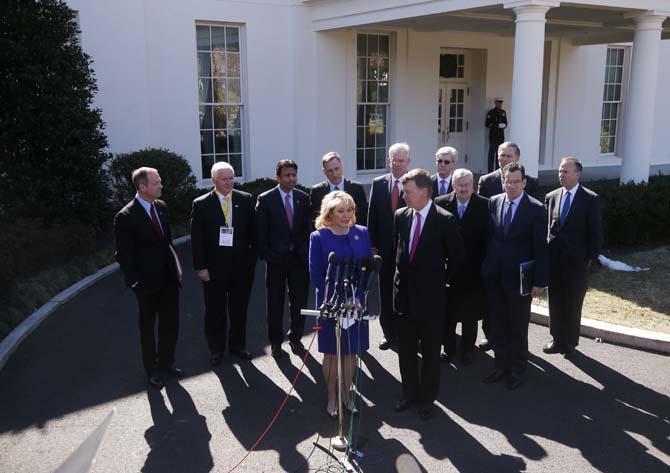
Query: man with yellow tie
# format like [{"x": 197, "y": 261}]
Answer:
[{"x": 224, "y": 258}]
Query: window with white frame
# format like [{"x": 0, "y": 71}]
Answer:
[
  {"x": 220, "y": 92},
  {"x": 372, "y": 101},
  {"x": 612, "y": 100}
]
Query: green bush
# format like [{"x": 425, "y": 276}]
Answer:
[
  {"x": 51, "y": 139},
  {"x": 258, "y": 186},
  {"x": 633, "y": 214},
  {"x": 178, "y": 181}
]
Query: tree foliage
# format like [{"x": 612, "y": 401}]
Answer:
[{"x": 51, "y": 138}]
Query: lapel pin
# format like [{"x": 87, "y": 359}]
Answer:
[{"x": 356, "y": 237}]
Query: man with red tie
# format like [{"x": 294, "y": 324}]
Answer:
[
  {"x": 152, "y": 270},
  {"x": 282, "y": 239},
  {"x": 386, "y": 197}
]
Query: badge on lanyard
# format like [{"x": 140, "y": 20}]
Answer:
[{"x": 226, "y": 236}]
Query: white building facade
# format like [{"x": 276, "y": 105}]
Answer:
[{"x": 252, "y": 82}]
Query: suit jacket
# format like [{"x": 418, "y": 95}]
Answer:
[
  {"x": 145, "y": 257},
  {"x": 525, "y": 241},
  {"x": 491, "y": 184},
  {"x": 380, "y": 218},
  {"x": 436, "y": 186},
  {"x": 419, "y": 286},
  {"x": 353, "y": 188},
  {"x": 207, "y": 218},
  {"x": 275, "y": 240},
  {"x": 581, "y": 236}
]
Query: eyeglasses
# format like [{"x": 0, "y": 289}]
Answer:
[
  {"x": 444, "y": 161},
  {"x": 506, "y": 155}
]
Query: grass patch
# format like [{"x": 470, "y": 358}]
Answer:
[{"x": 638, "y": 300}]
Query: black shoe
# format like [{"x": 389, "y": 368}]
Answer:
[
  {"x": 155, "y": 381},
  {"x": 426, "y": 412},
  {"x": 446, "y": 357},
  {"x": 467, "y": 357},
  {"x": 495, "y": 376},
  {"x": 175, "y": 372},
  {"x": 514, "y": 382},
  {"x": 215, "y": 359},
  {"x": 241, "y": 354},
  {"x": 385, "y": 344},
  {"x": 569, "y": 352},
  {"x": 552, "y": 347},
  {"x": 297, "y": 348},
  {"x": 277, "y": 352},
  {"x": 402, "y": 405},
  {"x": 484, "y": 345}
]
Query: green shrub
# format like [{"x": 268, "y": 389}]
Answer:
[
  {"x": 633, "y": 214},
  {"x": 258, "y": 186},
  {"x": 178, "y": 181}
]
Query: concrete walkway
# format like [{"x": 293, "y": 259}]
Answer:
[{"x": 606, "y": 410}]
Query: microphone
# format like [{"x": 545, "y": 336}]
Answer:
[
  {"x": 376, "y": 263},
  {"x": 332, "y": 258},
  {"x": 375, "y": 266}
]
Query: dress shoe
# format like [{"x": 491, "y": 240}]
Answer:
[
  {"x": 495, "y": 376},
  {"x": 427, "y": 411},
  {"x": 385, "y": 344},
  {"x": 569, "y": 352},
  {"x": 552, "y": 347},
  {"x": 175, "y": 372},
  {"x": 514, "y": 382},
  {"x": 446, "y": 357},
  {"x": 351, "y": 407},
  {"x": 484, "y": 345},
  {"x": 215, "y": 359},
  {"x": 277, "y": 352},
  {"x": 241, "y": 354},
  {"x": 402, "y": 405},
  {"x": 467, "y": 357},
  {"x": 155, "y": 381},
  {"x": 334, "y": 414},
  {"x": 297, "y": 348}
]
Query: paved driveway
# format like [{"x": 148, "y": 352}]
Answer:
[{"x": 606, "y": 410}]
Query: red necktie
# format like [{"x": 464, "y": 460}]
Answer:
[
  {"x": 154, "y": 219},
  {"x": 395, "y": 197},
  {"x": 416, "y": 236}
]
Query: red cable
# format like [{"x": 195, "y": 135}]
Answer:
[{"x": 283, "y": 403}]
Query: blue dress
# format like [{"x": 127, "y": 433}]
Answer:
[{"x": 356, "y": 244}]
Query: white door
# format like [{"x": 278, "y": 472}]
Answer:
[{"x": 452, "y": 118}]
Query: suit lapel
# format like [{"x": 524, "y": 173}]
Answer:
[
  {"x": 143, "y": 216},
  {"x": 519, "y": 215}
]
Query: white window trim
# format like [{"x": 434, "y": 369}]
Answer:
[{"x": 613, "y": 157}]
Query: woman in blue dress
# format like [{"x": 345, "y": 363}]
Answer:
[{"x": 337, "y": 232}]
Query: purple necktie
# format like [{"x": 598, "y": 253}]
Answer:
[
  {"x": 443, "y": 189},
  {"x": 289, "y": 210},
  {"x": 416, "y": 236}
]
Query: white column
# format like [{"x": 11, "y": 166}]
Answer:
[
  {"x": 639, "y": 108},
  {"x": 527, "y": 78}
]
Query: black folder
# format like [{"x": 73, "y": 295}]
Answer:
[{"x": 526, "y": 277}]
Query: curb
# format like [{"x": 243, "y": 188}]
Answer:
[
  {"x": 25, "y": 328},
  {"x": 612, "y": 333}
]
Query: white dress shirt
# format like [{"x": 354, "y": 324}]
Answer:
[
  {"x": 146, "y": 205},
  {"x": 424, "y": 213},
  {"x": 564, "y": 194}
]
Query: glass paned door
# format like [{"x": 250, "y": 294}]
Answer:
[{"x": 452, "y": 119}]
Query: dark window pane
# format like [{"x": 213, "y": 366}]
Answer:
[
  {"x": 369, "y": 159},
  {"x": 459, "y": 125},
  {"x": 235, "y": 161},
  {"x": 218, "y": 38},
  {"x": 373, "y": 46},
  {"x": 362, "y": 45},
  {"x": 235, "y": 141},
  {"x": 380, "y": 158},
  {"x": 384, "y": 69},
  {"x": 370, "y": 135},
  {"x": 608, "y": 60},
  {"x": 372, "y": 68},
  {"x": 384, "y": 46},
  {"x": 460, "y": 110},
  {"x": 232, "y": 39},
  {"x": 220, "y": 117},
  {"x": 614, "y": 110},
  {"x": 206, "y": 143},
  {"x": 360, "y": 137},
  {"x": 619, "y": 56},
  {"x": 233, "y": 64},
  {"x": 220, "y": 90},
  {"x": 459, "y": 72},
  {"x": 452, "y": 125},
  {"x": 380, "y": 138},
  {"x": 452, "y": 98},
  {"x": 234, "y": 116},
  {"x": 202, "y": 37},
  {"x": 205, "y": 117},
  {"x": 360, "y": 154},
  {"x": 611, "y": 147},
  {"x": 204, "y": 65},
  {"x": 460, "y": 95},
  {"x": 205, "y": 90},
  {"x": 221, "y": 141},
  {"x": 452, "y": 110},
  {"x": 448, "y": 65},
  {"x": 360, "y": 115},
  {"x": 380, "y": 110},
  {"x": 461, "y": 60},
  {"x": 372, "y": 91},
  {"x": 219, "y": 64},
  {"x": 618, "y": 76},
  {"x": 207, "y": 163},
  {"x": 383, "y": 92},
  {"x": 361, "y": 94},
  {"x": 617, "y": 92},
  {"x": 606, "y": 110},
  {"x": 362, "y": 69}
]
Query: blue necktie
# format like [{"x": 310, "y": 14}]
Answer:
[
  {"x": 461, "y": 210},
  {"x": 507, "y": 221},
  {"x": 565, "y": 209},
  {"x": 443, "y": 189}
]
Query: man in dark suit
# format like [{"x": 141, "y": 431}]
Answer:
[
  {"x": 492, "y": 184},
  {"x": 445, "y": 163},
  {"x": 151, "y": 268},
  {"x": 427, "y": 238},
  {"x": 517, "y": 234},
  {"x": 223, "y": 242},
  {"x": 386, "y": 197},
  {"x": 282, "y": 229},
  {"x": 333, "y": 170},
  {"x": 466, "y": 299},
  {"x": 496, "y": 122},
  {"x": 574, "y": 237}
]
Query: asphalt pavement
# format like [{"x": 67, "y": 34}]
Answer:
[{"x": 607, "y": 409}]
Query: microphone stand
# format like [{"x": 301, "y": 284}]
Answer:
[{"x": 340, "y": 442}]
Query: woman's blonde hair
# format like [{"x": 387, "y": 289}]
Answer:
[{"x": 329, "y": 203}]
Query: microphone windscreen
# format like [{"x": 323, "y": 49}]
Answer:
[{"x": 331, "y": 257}]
